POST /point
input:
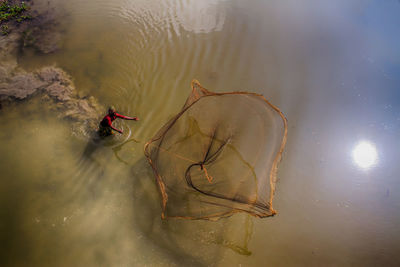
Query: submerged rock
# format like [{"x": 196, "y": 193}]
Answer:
[
  {"x": 20, "y": 86},
  {"x": 55, "y": 88},
  {"x": 43, "y": 34}
]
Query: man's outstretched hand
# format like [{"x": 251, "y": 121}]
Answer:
[{"x": 136, "y": 118}]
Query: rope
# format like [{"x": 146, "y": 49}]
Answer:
[{"x": 209, "y": 177}]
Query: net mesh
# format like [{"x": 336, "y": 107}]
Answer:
[{"x": 219, "y": 155}]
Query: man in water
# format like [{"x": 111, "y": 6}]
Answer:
[{"x": 105, "y": 127}]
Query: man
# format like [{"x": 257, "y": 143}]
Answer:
[{"x": 105, "y": 127}]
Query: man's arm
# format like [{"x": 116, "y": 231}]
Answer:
[
  {"x": 109, "y": 123},
  {"x": 115, "y": 129},
  {"x": 126, "y": 117}
]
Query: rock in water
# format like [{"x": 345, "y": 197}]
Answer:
[{"x": 56, "y": 88}]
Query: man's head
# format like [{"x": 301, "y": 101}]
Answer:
[{"x": 111, "y": 110}]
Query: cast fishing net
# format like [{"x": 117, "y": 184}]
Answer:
[{"x": 219, "y": 155}]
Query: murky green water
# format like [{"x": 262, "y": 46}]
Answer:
[{"x": 333, "y": 68}]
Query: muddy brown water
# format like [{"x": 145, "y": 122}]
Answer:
[{"x": 332, "y": 67}]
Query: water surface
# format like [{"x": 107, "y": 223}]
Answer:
[{"x": 332, "y": 67}]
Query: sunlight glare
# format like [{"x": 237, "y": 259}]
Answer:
[{"x": 365, "y": 155}]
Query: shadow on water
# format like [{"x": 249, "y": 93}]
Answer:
[
  {"x": 97, "y": 143},
  {"x": 185, "y": 242},
  {"x": 87, "y": 161},
  {"x": 92, "y": 166},
  {"x": 94, "y": 162},
  {"x": 147, "y": 219}
]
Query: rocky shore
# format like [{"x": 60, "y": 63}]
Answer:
[{"x": 50, "y": 83}]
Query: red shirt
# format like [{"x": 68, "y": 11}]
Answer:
[{"x": 109, "y": 118}]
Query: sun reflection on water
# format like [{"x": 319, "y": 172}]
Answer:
[{"x": 365, "y": 155}]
